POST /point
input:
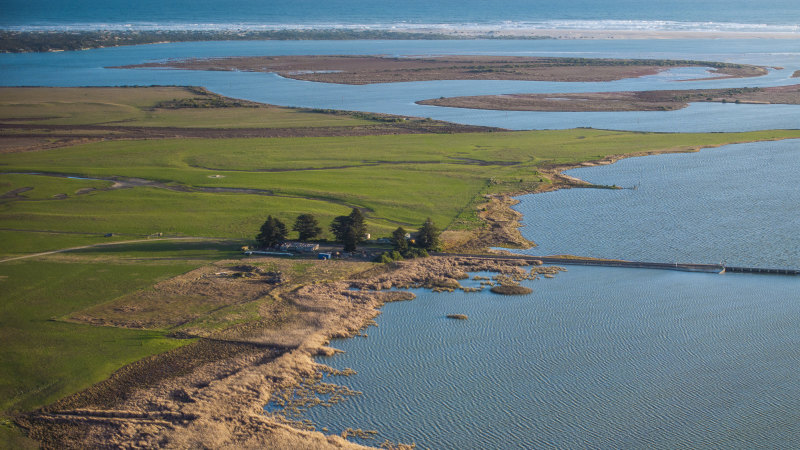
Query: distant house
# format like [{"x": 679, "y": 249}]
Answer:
[{"x": 299, "y": 247}]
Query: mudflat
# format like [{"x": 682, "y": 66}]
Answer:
[{"x": 369, "y": 69}]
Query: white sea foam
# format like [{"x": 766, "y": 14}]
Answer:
[{"x": 488, "y": 27}]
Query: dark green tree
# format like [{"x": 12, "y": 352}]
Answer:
[
  {"x": 307, "y": 226},
  {"x": 428, "y": 236},
  {"x": 398, "y": 239},
  {"x": 349, "y": 230},
  {"x": 339, "y": 227},
  {"x": 273, "y": 232},
  {"x": 358, "y": 225},
  {"x": 350, "y": 240}
]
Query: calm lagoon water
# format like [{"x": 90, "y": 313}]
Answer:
[
  {"x": 609, "y": 357},
  {"x": 595, "y": 358},
  {"x": 738, "y": 203},
  {"x": 89, "y": 68}
]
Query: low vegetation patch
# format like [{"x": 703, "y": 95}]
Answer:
[{"x": 511, "y": 290}]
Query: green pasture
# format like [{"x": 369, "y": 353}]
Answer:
[
  {"x": 140, "y": 212},
  {"x": 121, "y": 106},
  {"x": 42, "y": 359},
  {"x": 398, "y": 180}
]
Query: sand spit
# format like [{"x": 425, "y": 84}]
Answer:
[{"x": 212, "y": 393}]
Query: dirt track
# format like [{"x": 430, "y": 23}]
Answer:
[{"x": 183, "y": 238}]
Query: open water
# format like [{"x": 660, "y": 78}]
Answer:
[
  {"x": 725, "y": 15},
  {"x": 736, "y": 204},
  {"x": 594, "y": 358}
]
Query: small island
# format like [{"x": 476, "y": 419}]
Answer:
[
  {"x": 369, "y": 69},
  {"x": 505, "y": 289},
  {"x": 669, "y": 100}
]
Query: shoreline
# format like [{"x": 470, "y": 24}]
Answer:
[
  {"x": 221, "y": 403},
  {"x": 504, "y": 222}
]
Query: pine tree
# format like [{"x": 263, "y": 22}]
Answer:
[
  {"x": 350, "y": 240},
  {"x": 349, "y": 230},
  {"x": 273, "y": 232},
  {"x": 307, "y": 226},
  {"x": 358, "y": 225},
  {"x": 399, "y": 241},
  {"x": 339, "y": 227},
  {"x": 428, "y": 236}
]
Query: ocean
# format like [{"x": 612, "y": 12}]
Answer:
[{"x": 716, "y": 15}]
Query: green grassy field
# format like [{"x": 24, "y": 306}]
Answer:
[
  {"x": 398, "y": 180},
  {"x": 44, "y": 359}
]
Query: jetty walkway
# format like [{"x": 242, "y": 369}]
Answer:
[{"x": 684, "y": 267}]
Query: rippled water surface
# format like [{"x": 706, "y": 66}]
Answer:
[
  {"x": 597, "y": 357},
  {"x": 739, "y": 204}
]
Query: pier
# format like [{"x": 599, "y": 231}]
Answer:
[{"x": 683, "y": 267}]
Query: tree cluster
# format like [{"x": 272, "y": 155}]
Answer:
[
  {"x": 350, "y": 230},
  {"x": 273, "y": 232},
  {"x": 427, "y": 241}
]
